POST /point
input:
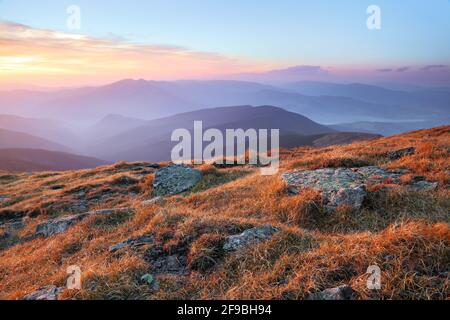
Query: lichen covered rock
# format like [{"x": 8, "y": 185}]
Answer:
[
  {"x": 343, "y": 292},
  {"x": 44, "y": 293},
  {"x": 347, "y": 186},
  {"x": 175, "y": 179},
  {"x": 250, "y": 236}
]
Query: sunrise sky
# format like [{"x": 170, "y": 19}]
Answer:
[{"x": 180, "y": 39}]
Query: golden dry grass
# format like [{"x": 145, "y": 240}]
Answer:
[{"x": 405, "y": 233}]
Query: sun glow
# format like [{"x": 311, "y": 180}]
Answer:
[{"x": 65, "y": 57}]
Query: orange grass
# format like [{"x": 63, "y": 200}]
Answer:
[{"x": 406, "y": 234}]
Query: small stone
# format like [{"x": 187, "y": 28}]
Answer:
[
  {"x": 175, "y": 179},
  {"x": 343, "y": 292},
  {"x": 45, "y": 293},
  {"x": 250, "y": 236}
]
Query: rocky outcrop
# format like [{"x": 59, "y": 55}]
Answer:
[
  {"x": 133, "y": 242},
  {"x": 44, "y": 293},
  {"x": 175, "y": 179},
  {"x": 56, "y": 226},
  {"x": 394, "y": 155},
  {"x": 346, "y": 186},
  {"x": 340, "y": 186},
  {"x": 343, "y": 292},
  {"x": 248, "y": 237}
]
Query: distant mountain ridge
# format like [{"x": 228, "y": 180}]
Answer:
[
  {"x": 322, "y": 102},
  {"x": 152, "y": 142},
  {"x": 13, "y": 139},
  {"x": 34, "y": 160},
  {"x": 49, "y": 129},
  {"x": 435, "y": 100}
]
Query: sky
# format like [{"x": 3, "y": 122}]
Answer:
[{"x": 180, "y": 39}]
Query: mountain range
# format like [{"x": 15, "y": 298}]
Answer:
[
  {"x": 152, "y": 141},
  {"x": 321, "y": 102},
  {"x": 134, "y": 119}
]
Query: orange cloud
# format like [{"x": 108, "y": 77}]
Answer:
[{"x": 50, "y": 57}]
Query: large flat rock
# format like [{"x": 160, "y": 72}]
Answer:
[
  {"x": 347, "y": 186},
  {"x": 175, "y": 179}
]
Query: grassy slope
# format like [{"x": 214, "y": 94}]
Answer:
[{"x": 407, "y": 234}]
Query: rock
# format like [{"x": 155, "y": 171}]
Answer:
[
  {"x": 345, "y": 186},
  {"x": 394, "y": 155},
  {"x": 343, "y": 292},
  {"x": 45, "y": 293},
  {"x": 156, "y": 200},
  {"x": 57, "y": 226},
  {"x": 133, "y": 242},
  {"x": 172, "y": 264},
  {"x": 340, "y": 186},
  {"x": 374, "y": 175},
  {"x": 352, "y": 197},
  {"x": 166, "y": 262},
  {"x": 250, "y": 236},
  {"x": 175, "y": 179},
  {"x": 424, "y": 186}
]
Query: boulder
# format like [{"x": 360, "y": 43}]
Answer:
[
  {"x": 352, "y": 197},
  {"x": 343, "y": 292},
  {"x": 175, "y": 179},
  {"x": 347, "y": 186},
  {"x": 44, "y": 293},
  {"x": 340, "y": 186},
  {"x": 248, "y": 237}
]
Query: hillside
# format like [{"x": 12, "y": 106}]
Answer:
[
  {"x": 234, "y": 234},
  {"x": 44, "y": 128},
  {"x": 19, "y": 160},
  {"x": 13, "y": 139},
  {"x": 389, "y": 128}
]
